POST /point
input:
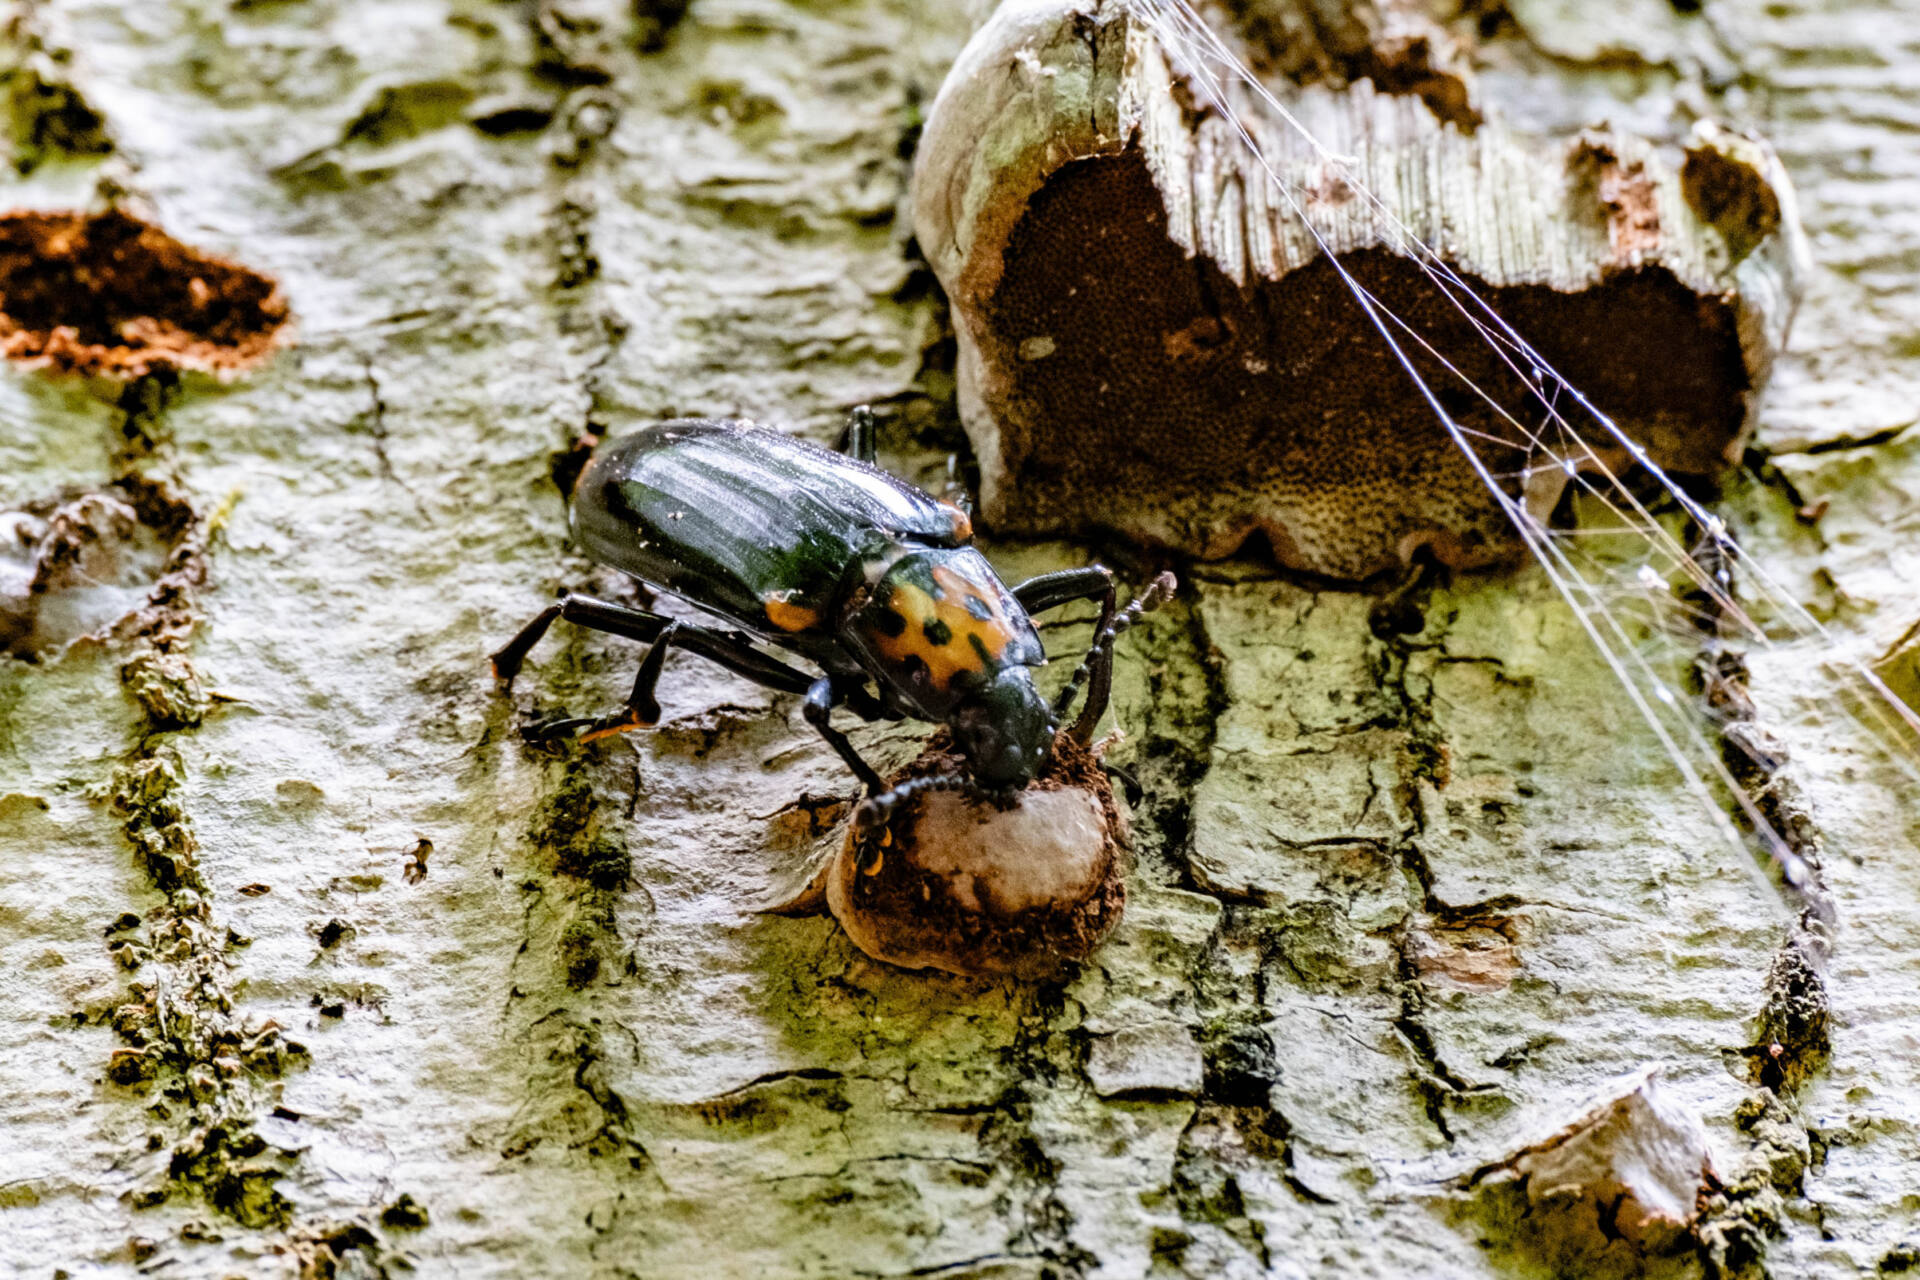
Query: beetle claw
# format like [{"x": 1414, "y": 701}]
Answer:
[
  {"x": 554, "y": 729},
  {"x": 589, "y": 728},
  {"x": 606, "y": 728}
]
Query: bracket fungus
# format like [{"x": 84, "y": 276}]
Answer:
[
  {"x": 1151, "y": 341},
  {"x": 953, "y": 883}
]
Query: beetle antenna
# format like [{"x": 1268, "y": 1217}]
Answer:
[
  {"x": 956, "y": 486},
  {"x": 876, "y": 811},
  {"x": 1099, "y": 660}
]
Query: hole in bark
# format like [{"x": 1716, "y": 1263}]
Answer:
[
  {"x": 107, "y": 293},
  {"x": 656, "y": 20},
  {"x": 510, "y": 120},
  {"x": 1154, "y": 382}
]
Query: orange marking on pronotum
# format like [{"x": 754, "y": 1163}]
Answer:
[{"x": 946, "y": 612}]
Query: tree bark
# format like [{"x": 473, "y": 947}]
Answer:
[{"x": 404, "y": 990}]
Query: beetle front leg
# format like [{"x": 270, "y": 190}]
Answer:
[
  {"x": 1051, "y": 590},
  {"x": 818, "y": 710},
  {"x": 877, "y": 810}
]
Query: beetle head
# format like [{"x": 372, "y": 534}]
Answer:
[{"x": 1004, "y": 729}]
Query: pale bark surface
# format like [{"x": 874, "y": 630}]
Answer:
[{"x": 568, "y": 1048}]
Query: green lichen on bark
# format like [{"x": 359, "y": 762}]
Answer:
[{"x": 1399, "y": 903}]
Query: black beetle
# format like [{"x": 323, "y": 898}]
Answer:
[{"x": 826, "y": 555}]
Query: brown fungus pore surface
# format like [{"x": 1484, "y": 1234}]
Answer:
[
  {"x": 1140, "y": 379},
  {"x": 968, "y": 888},
  {"x": 106, "y": 293}
]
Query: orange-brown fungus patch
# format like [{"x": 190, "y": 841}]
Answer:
[
  {"x": 1732, "y": 196},
  {"x": 1172, "y": 403},
  {"x": 1631, "y": 202},
  {"x": 107, "y": 293}
]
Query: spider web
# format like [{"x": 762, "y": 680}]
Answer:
[{"x": 1652, "y": 605}]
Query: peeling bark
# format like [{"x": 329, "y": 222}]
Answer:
[{"x": 312, "y": 967}]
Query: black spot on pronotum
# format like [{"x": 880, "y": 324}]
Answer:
[{"x": 890, "y": 623}]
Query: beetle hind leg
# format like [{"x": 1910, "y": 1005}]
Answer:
[
  {"x": 728, "y": 649},
  {"x": 511, "y": 656},
  {"x": 642, "y": 708}
]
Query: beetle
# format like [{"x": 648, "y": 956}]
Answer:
[{"x": 825, "y": 555}]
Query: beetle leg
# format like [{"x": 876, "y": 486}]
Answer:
[
  {"x": 585, "y": 611},
  {"x": 1050, "y": 590},
  {"x": 507, "y": 661},
  {"x": 643, "y": 709},
  {"x": 860, "y": 443},
  {"x": 875, "y": 810},
  {"x": 1071, "y": 689},
  {"x": 1100, "y": 659},
  {"x": 821, "y": 696},
  {"x": 729, "y": 649},
  {"x": 725, "y": 648}
]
